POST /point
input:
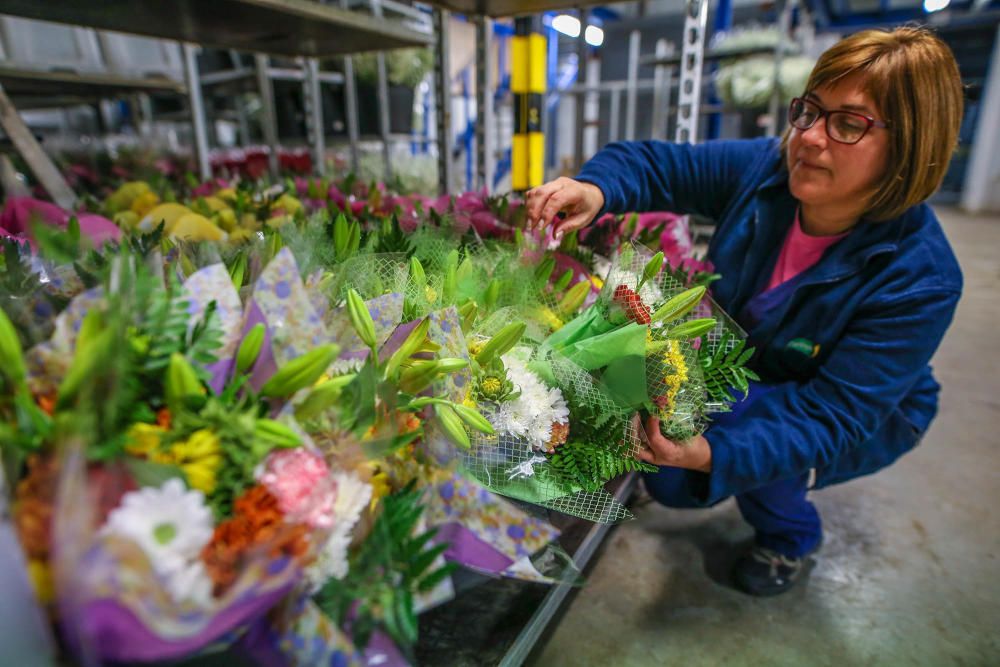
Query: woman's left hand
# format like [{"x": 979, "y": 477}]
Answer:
[{"x": 694, "y": 454}]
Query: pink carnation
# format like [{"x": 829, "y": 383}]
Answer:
[{"x": 301, "y": 482}]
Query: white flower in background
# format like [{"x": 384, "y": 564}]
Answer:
[
  {"x": 345, "y": 366},
  {"x": 171, "y": 524},
  {"x": 353, "y": 496},
  {"x": 190, "y": 583},
  {"x": 650, "y": 292},
  {"x": 534, "y": 412},
  {"x": 651, "y": 295}
]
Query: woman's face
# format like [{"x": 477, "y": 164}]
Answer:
[{"x": 828, "y": 174}]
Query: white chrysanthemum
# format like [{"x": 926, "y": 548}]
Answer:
[
  {"x": 345, "y": 366},
  {"x": 511, "y": 419},
  {"x": 557, "y": 404},
  {"x": 171, "y": 524},
  {"x": 533, "y": 413},
  {"x": 331, "y": 560},
  {"x": 540, "y": 433},
  {"x": 650, "y": 292}
]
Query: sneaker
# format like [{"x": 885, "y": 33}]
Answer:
[{"x": 764, "y": 572}]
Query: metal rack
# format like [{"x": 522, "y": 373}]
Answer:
[
  {"x": 305, "y": 29},
  {"x": 498, "y": 8},
  {"x": 283, "y": 27}
]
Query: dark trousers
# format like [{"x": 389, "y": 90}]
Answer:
[
  {"x": 779, "y": 512},
  {"x": 782, "y": 518}
]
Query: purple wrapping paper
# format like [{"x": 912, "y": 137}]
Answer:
[
  {"x": 382, "y": 652},
  {"x": 117, "y": 635},
  {"x": 266, "y": 364},
  {"x": 467, "y": 549}
]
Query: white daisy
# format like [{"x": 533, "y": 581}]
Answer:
[{"x": 171, "y": 524}]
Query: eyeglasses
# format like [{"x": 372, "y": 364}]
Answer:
[{"x": 845, "y": 127}]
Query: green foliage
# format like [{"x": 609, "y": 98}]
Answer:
[
  {"x": 388, "y": 569},
  {"x": 390, "y": 238},
  {"x": 233, "y": 424},
  {"x": 163, "y": 330},
  {"x": 724, "y": 371},
  {"x": 590, "y": 458},
  {"x": 16, "y": 277},
  {"x": 590, "y": 464}
]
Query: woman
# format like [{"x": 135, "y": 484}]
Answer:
[{"x": 832, "y": 263}]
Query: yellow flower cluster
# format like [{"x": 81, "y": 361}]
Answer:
[
  {"x": 546, "y": 314},
  {"x": 675, "y": 375},
  {"x": 214, "y": 218},
  {"x": 199, "y": 457}
]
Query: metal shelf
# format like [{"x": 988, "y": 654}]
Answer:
[
  {"x": 285, "y": 27},
  {"x": 497, "y": 8},
  {"x": 26, "y": 82},
  {"x": 720, "y": 54},
  {"x": 244, "y": 79}
]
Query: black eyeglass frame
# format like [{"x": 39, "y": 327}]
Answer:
[{"x": 823, "y": 113}]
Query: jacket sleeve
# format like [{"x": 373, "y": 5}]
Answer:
[
  {"x": 795, "y": 427},
  {"x": 659, "y": 176}
]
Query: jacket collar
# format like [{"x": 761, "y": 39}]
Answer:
[{"x": 866, "y": 240}]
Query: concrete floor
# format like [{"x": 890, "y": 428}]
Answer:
[{"x": 910, "y": 570}]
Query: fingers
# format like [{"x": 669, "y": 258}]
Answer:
[
  {"x": 557, "y": 201},
  {"x": 653, "y": 429},
  {"x": 570, "y": 224},
  {"x": 537, "y": 199},
  {"x": 647, "y": 456},
  {"x": 545, "y": 201}
]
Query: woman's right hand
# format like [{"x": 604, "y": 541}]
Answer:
[{"x": 581, "y": 202}]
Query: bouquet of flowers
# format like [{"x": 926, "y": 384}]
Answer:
[{"x": 563, "y": 407}]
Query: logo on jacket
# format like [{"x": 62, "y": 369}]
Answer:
[{"x": 804, "y": 346}]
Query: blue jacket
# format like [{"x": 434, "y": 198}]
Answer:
[{"x": 846, "y": 356}]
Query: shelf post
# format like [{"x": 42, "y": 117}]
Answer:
[
  {"x": 442, "y": 86},
  {"x": 197, "y": 108},
  {"x": 692, "y": 55},
  {"x": 38, "y": 161}
]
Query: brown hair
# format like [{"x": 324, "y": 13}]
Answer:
[{"x": 913, "y": 79}]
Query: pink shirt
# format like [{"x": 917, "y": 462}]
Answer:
[{"x": 799, "y": 252}]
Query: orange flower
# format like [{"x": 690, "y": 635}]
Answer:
[
  {"x": 33, "y": 506},
  {"x": 560, "y": 432},
  {"x": 47, "y": 402},
  {"x": 257, "y": 523},
  {"x": 411, "y": 423},
  {"x": 163, "y": 418}
]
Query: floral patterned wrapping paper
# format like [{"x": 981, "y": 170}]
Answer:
[
  {"x": 49, "y": 361},
  {"x": 114, "y": 607},
  {"x": 305, "y": 637},
  {"x": 386, "y": 312},
  {"x": 487, "y": 533},
  {"x": 446, "y": 331},
  {"x": 293, "y": 323},
  {"x": 214, "y": 284}
]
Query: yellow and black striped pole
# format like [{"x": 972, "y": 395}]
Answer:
[{"x": 527, "y": 82}]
